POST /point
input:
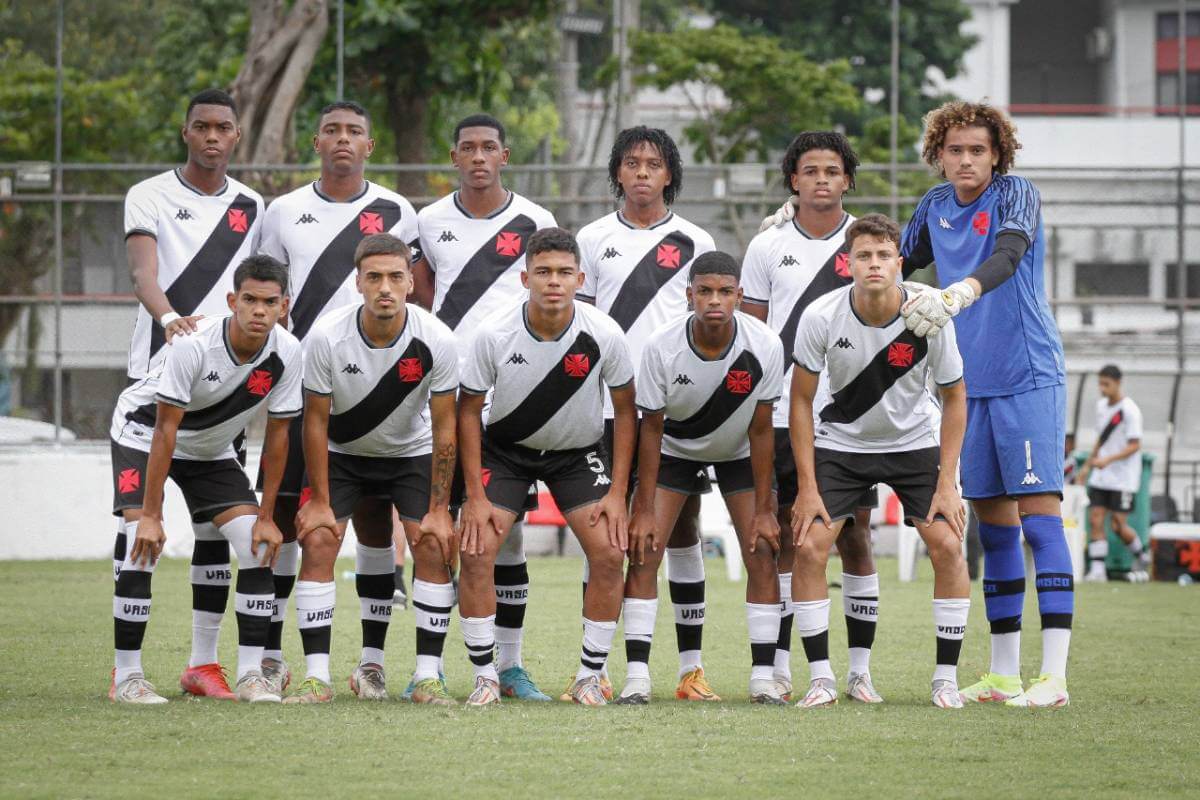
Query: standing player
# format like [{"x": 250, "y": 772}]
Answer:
[
  {"x": 874, "y": 421},
  {"x": 983, "y": 227},
  {"x": 181, "y": 422},
  {"x": 370, "y": 370},
  {"x": 544, "y": 362},
  {"x": 635, "y": 264},
  {"x": 1113, "y": 473},
  {"x": 185, "y": 232},
  {"x": 706, "y": 388},
  {"x": 474, "y": 241},
  {"x": 314, "y": 230},
  {"x": 786, "y": 268}
]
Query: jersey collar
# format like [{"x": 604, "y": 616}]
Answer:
[
  {"x": 363, "y": 334},
  {"x": 233, "y": 359},
  {"x": 503, "y": 206},
  {"x": 631, "y": 226},
  {"x": 889, "y": 323},
  {"x": 179, "y": 174},
  {"x": 316, "y": 186},
  {"x": 536, "y": 338},
  {"x": 692, "y": 344},
  {"x": 836, "y": 230}
]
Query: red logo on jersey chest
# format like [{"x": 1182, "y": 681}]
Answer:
[
  {"x": 980, "y": 222},
  {"x": 900, "y": 354},
  {"x": 841, "y": 264},
  {"x": 508, "y": 243},
  {"x": 576, "y": 365},
  {"x": 411, "y": 370},
  {"x": 667, "y": 256},
  {"x": 128, "y": 480},
  {"x": 485, "y": 476},
  {"x": 370, "y": 222},
  {"x": 238, "y": 223},
  {"x": 738, "y": 381},
  {"x": 259, "y": 382}
]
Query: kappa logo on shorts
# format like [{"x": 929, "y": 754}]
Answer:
[
  {"x": 841, "y": 264},
  {"x": 508, "y": 243},
  {"x": 1031, "y": 478},
  {"x": 900, "y": 354},
  {"x": 980, "y": 222},
  {"x": 576, "y": 365},
  {"x": 128, "y": 480},
  {"x": 259, "y": 382},
  {"x": 411, "y": 370},
  {"x": 485, "y": 476},
  {"x": 370, "y": 222},
  {"x": 738, "y": 381},
  {"x": 667, "y": 256}
]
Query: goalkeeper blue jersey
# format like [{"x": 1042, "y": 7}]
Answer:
[{"x": 1008, "y": 339}]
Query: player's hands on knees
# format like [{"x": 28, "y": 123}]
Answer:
[
  {"x": 947, "y": 502},
  {"x": 265, "y": 534},
  {"x": 765, "y": 527},
  {"x": 477, "y": 514},
  {"x": 148, "y": 544},
  {"x": 642, "y": 534},
  {"x": 440, "y": 526},
  {"x": 183, "y": 326},
  {"x": 313, "y": 516},
  {"x": 612, "y": 507},
  {"x": 807, "y": 509},
  {"x": 782, "y": 216}
]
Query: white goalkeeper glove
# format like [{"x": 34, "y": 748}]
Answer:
[
  {"x": 927, "y": 310},
  {"x": 781, "y": 217}
]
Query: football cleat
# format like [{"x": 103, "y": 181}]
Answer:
[
  {"x": 992, "y": 688},
  {"x": 368, "y": 682},
  {"x": 1094, "y": 576},
  {"x": 431, "y": 691},
  {"x": 635, "y": 693},
  {"x": 783, "y": 685},
  {"x": 515, "y": 682},
  {"x": 399, "y": 599},
  {"x": 254, "y": 688},
  {"x": 694, "y": 686},
  {"x": 606, "y": 687},
  {"x": 278, "y": 676},
  {"x": 412, "y": 685},
  {"x": 135, "y": 690},
  {"x": 1047, "y": 691},
  {"x": 311, "y": 690},
  {"x": 765, "y": 692},
  {"x": 822, "y": 692},
  {"x": 206, "y": 680},
  {"x": 860, "y": 688},
  {"x": 586, "y": 692},
  {"x": 946, "y": 694},
  {"x": 487, "y": 692}
]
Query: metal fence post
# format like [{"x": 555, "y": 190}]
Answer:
[{"x": 58, "y": 246}]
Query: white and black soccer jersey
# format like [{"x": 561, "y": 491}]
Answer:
[
  {"x": 546, "y": 394},
  {"x": 218, "y": 394},
  {"x": 786, "y": 269},
  {"x": 201, "y": 240},
  {"x": 477, "y": 261},
  {"x": 379, "y": 395},
  {"x": 638, "y": 276},
  {"x": 708, "y": 404},
  {"x": 316, "y": 236},
  {"x": 1116, "y": 426},
  {"x": 873, "y": 394}
]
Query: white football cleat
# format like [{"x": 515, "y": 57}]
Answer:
[
  {"x": 822, "y": 692},
  {"x": 946, "y": 695},
  {"x": 783, "y": 685},
  {"x": 765, "y": 692},
  {"x": 254, "y": 688},
  {"x": 1047, "y": 691},
  {"x": 635, "y": 693},
  {"x": 860, "y": 688},
  {"x": 135, "y": 690}
]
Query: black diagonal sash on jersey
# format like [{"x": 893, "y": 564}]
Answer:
[
  {"x": 551, "y": 394},
  {"x": 370, "y": 412},
  {"x": 647, "y": 278},
  {"x": 861, "y": 394},
  {"x": 720, "y": 406},
  {"x": 239, "y": 400},
  {"x": 332, "y": 267},
  {"x": 482, "y": 270},
  {"x": 1116, "y": 420},
  {"x": 825, "y": 281},
  {"x": 207, "y": 266}
]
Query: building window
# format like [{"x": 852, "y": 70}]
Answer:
[
  {"x": 1193, "y": 283},
  {"x": 1167, "y": 92},
  {"x": 1166, "y": 64},
  {"x": 1168, "y": 25},
  {"x": 1112, "y": 279}
]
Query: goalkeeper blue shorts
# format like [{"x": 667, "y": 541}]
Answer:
[{"x": 1014, "y": 444}]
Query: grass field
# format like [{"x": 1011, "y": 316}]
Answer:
[{"x": 1132, "y": 727}]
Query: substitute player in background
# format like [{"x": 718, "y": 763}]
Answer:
[
  {"x": 874, "y": 421},
  {"x": 787, "y": 267},
  {"x": 983, "y": 227},
  {"x": 635, "y": 264},
  {"x": 181, "y": 422},
  {"x": 186, "y": 230},
  {"x": 370, "y": 371},
  {"x": 545, "y": 361},
  {"x": 474, "y": 241},
  {"x": 315, "y": 230},
  {"x": 706, "y": 388},
  {"x": 1113, "y": 473}
]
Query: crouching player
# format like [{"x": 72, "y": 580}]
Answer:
[
  {"x": 705, "y": 380},
  {"x": 370, "y": 371},
  {"x": 875, "y": 422},
  {"x": 545, "y": 360},
  {"x": 181, "y": 422}
]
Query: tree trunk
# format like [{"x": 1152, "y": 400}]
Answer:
[{"x": 407, "y": 113}]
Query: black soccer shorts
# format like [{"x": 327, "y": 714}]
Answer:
[
  {"x": 576, "y": 478},
  {"x": 691, "y": 477},
  {"x": 209, "y": 487},
  {"x": 294, "y": 478},
  {"x": 787, "y": 483},
  {"x": 1112, "y": 499},
  {"x": 403, "y": 480},
  {"x": 843, "y": 478}
]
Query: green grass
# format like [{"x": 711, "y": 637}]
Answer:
[{"x": 1132, "y": 726}]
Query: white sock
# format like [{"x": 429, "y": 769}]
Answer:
[
  {"x": 315, "y": 603},
  {"x": 1135, "y": 546},
  {"x": 812, "y": 623},
  {"x": 597, "y": 642},
  {"x": 1006, "y": 653},
  {"x": 762, "y": 621},
  {"x": 1056, "y": 643},
  {"x": 783, "y": 658},
  {"x": 1097, "y": 552},
  {"x": 479, "y": 633},
  {"x": 206, "y": 625},
  {"x": 639, "y": 615},
  {"x": 860, "y": 606},
  {"x": 206, "y": 633},
  {"x": 950, "y": 626}
]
